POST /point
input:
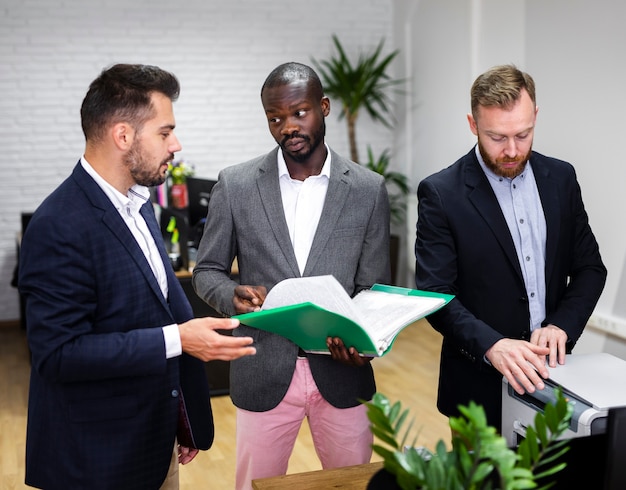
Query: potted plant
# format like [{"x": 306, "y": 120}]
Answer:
[
  {"x": 364, "y": 86},
  {"x": 479, "y": 458},
  {"x": 178, "y": 171},
  {"x": 397, "y": 183},
  {"x": 398, "y": 188}
]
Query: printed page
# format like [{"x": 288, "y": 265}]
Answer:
[
  {"x": 384, "y": 314},
  {"x": 324, "y": 291}
]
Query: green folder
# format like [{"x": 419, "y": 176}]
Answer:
[{"x": 308, "y": 325}]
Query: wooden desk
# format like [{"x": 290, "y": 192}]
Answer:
[
  {"x": 184, "y": 273},
  {"x": 348, "y": 478}
]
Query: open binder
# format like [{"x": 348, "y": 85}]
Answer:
[{"x": 307, "y": 310}]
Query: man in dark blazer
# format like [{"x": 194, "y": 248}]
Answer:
[
  {"x": 112, "y": 335},
  {"x": 505, "y": 230},
  {"x": 300, "y": 210}
]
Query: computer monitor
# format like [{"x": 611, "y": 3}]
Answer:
[{"x": 199, "y": 191}]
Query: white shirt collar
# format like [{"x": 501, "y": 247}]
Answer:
[
  {"x": 137, "y": 196},
  {"x": 282, "y": 165}
]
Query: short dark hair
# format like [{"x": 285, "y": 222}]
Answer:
[
  {"x": 294, "y": 72},
  {"x": 501, "y": 86},
  {"x": 122, "y": 93}
]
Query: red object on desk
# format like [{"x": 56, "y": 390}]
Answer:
[{"x": 179, "y": 196}]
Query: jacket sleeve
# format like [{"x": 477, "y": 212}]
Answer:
[
  {"x": 577, "y": 279},
  {"x": 74, "y": 309},
  {"x": 436, "y": 270}
]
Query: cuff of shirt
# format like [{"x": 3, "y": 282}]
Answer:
[{"x": 171, "y": 335}]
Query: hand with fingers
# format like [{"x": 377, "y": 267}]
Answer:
[{"x": 522, "y": 363}]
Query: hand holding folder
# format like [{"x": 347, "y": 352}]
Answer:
[{"x": 308, "y": 310}]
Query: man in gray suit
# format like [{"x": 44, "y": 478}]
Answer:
[{"x": 300, "y": 210}]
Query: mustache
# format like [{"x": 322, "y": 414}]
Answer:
[
  {"x": 514, "y": 159},
  {"x": 294, "y": 135}
]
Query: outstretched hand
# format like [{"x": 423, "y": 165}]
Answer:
[
  {"x": 350, "y": 356},
  {"x": 200, "y": 339}
]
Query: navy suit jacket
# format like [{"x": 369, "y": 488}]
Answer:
[
  {"x": 464, "y": 247},
  {"x": 246, "y": 219},
  {"x": 105, "y": 404}
]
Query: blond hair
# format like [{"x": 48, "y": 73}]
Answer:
[{"x": 500, "y": 86}]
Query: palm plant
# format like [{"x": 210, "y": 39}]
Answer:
[
  {"x": 363, "y": 85},
  {"x": 480, "y": 458},
  {"x": 397, "y": 183}
]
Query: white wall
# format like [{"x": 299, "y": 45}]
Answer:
[
  {"x": 574, "y": 50},
  {"x": 50, "y": 51},
  {"x": 579, "y": 61},
  {"x": 221, "y": 52}
]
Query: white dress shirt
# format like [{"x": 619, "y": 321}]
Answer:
[
  {"x": 303, "y": 201},
  {"x": 128, "y": 207}
]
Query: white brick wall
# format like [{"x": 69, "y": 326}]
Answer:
[{"x": 221, "y": 52}]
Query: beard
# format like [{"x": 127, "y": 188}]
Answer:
[
  {"x": 496, "y": 165},
  {"x": 142, "y": 172},
  {"x": 312, "y": 143}
]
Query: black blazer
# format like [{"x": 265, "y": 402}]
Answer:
[
  {"x": 464, "y": 247},
  {"x": 104, "y": 403}
]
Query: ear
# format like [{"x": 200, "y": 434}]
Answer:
[
  {"x": 472, "y": 124},
  {"x": 122, "y": 135},
  {"x": 325, "y": 104}
]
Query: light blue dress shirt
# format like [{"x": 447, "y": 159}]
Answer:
[{"x": 521, "y": 205}]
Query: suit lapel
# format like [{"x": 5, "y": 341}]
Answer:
[
  {"x": 147, "y": 211},
  {"x": 481, "y": 195},
  {"x": 112, "y": 219},
  {"x": 336, "y": 195},
  {"x": 269, "y": 189}
]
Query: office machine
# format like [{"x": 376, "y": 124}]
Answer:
[{"x": 593, "y": 383}]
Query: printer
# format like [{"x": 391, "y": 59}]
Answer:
[{"x": 592, "y": 383}]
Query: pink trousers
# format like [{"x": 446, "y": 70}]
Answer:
[{"x": 265, "y": 440}]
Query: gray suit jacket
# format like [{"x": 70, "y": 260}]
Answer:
[{"x": 246, "y": 220}]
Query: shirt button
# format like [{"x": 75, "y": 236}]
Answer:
[
  {"x": 532, "y": 295},
  {"x": 521, "y": 221},
  {"x": 174, "y": 393},
  {"x": 527, "y": 258}
]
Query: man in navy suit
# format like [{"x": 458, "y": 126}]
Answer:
[
  {"x": 505, "y": 230},
  {"x": 113, "y": 382}
]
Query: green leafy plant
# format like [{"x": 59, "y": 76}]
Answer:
[
  {"x": 179, "y": 171},
  {"x": 397, "y": 183},
  {"x": 479, "y": 458},
  {"x": 360, "y": 86},
  {"x": 364, "y": 85}
]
